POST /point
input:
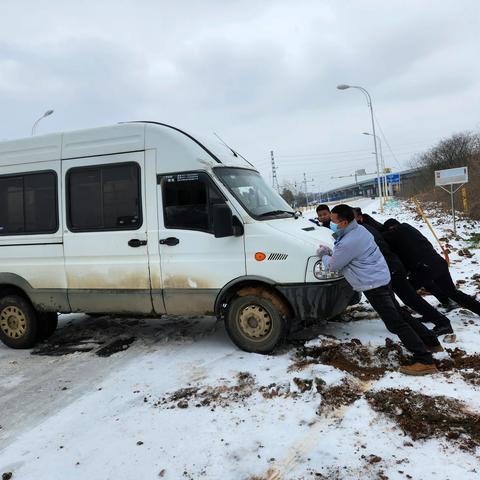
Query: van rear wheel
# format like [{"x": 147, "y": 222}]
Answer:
[
  {"x": 47, "y": 324},
  {"x": 254, "y": 324},
  {"x": 18, "y": 322}
]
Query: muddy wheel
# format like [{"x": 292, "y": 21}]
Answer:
[
  {"x": 18, "y": 322},
  {"x": 254, "y": 324},
  {"x": 47, "y": 324}
]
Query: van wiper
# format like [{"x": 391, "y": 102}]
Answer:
[{"x": 276, "y": 212}]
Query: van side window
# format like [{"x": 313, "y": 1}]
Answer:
[
  {"x": 187, "y": 198},
  {"x": 28, "y": 203},
  {"x": 104, "y": 197}
]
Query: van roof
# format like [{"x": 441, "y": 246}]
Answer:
[{"x": 119, "y": 138}]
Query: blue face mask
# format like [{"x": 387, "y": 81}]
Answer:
[{"x": 333, "y": 226}]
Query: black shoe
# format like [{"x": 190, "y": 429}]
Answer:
[
  {"x": 442, "y": 329},
  {"x": 449, "y": 306}
]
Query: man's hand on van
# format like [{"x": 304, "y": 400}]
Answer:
[{"x": 323, "y": 250}]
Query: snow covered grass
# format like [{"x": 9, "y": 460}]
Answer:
[{"x": 178, "y": 401}]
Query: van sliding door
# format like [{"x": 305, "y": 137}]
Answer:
[{"x": 105, "y": 240}]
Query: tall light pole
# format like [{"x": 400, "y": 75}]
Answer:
[
  {"x": 369, "y": 103},
  {"x": 383, "y": 177},
  {"x": 46, "y": 114}
]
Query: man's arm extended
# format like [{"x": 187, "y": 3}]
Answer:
[{"x": 342, "y": 255}]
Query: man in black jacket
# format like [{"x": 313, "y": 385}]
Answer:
[
  {"x": 427, "y": 268},
  {"x": 368, "y": 220},
  {"x": 400, "y": 284},
  {"x": 324, "y": 218}
]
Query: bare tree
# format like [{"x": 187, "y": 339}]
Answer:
[{"x": 459, "y": 150}]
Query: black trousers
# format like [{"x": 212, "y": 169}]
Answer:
[
  {"x": 433, "y": 289},
  {"x": 409, "y": 296},
  {"x": 412, "y": 333},
  {"x": 441, "y": 280}
]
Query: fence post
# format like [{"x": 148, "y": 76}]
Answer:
[{"x": 465, "y": 199}]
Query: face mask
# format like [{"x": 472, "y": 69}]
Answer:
[{"x": 333, "y": 226}]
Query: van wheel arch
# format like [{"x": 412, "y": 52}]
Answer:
[
  {"x": 13, "y": 290},
  {"x": 258, "y": 288}
]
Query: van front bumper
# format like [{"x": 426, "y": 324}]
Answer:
[{"x": 316, "y": 303}]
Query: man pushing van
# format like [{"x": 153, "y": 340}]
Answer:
[{"x": 358, "y": 258}]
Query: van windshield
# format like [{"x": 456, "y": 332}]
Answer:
[{"x": 250, "y": 189}]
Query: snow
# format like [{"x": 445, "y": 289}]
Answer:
[{"x": 80, "y": 416}]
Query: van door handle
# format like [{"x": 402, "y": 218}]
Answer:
[
  {"x": 170, "y": 241},
  {"x": 135, "y": 242}
]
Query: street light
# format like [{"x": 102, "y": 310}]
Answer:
[
  {"x": 46, "y": 114},
  {"x": 382, "y": 166},
  {"x": 369, "y": 103}
]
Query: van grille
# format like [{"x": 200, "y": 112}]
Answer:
[{"x": 277, "y": 256}]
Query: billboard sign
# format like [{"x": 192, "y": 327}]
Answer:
[
  {"x": 393, "y": 178},
  {"x": 451, "y": 176}
]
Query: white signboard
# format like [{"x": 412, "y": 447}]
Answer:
[{"x": 451, "y": 176}]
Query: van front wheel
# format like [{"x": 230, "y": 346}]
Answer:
[
  {"x": 254, "y": 324},
  {"x": 18, "y": 322}
]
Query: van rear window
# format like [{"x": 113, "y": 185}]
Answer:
[
  {"x": 28, "y": 203},
  {"x": 104, "y": 197}
]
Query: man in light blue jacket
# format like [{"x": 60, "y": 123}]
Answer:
[{"x": 358, "y": 258}]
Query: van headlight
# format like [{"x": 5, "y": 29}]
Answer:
[{"x": 322, "y": 273}]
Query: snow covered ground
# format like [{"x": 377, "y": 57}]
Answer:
[{"x": 174, "y": 399}]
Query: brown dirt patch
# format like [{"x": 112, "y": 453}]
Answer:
[
  {"x": 472, "y": 377},
  {"x": 422, "y": 416},
  {"x": 467, "y": 365},
  {"x": 369, "y": 363},
  {"x": 340, "y": 395},
  {"x": 363, "y": 362},
  {"x": 211, "y": 396},
  {"x": 225, "y": 395},
  {"x": 337, "y": 396}
]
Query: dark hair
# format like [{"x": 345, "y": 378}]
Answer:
[
  {"x": 357, "y": 210},
  {"x": 323, "y": 207},
  {"x": 391, "y": 222},
  {"x": 344, "y": 212}
]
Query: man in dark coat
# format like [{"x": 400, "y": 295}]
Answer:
[
  {"x": 368, "y": 220},
  {"x": 400, "y": 284},
  {"x": 427, "y": 268}
]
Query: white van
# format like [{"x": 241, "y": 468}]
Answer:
[{"x": 141, "y": 218}]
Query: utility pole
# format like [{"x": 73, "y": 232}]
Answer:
[
  {"x": 305, "y": 186},
  {"x": 369, "y": 103},
  {"x": 274, "y": 173}
]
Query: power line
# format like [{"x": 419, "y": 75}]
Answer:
[
  {"x": 335, "y": 161},
  {"x": 342, "y": 153},
  {"x": 386, "y": 141},
  {"x": 318, "y": 154}
]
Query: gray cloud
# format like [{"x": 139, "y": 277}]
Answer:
[{"x": 263, "y": 74}]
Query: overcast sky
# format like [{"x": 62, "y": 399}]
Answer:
[{"x": 262, "y": 74}]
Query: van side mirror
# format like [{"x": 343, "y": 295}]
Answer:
[
  {"x": 222, "y": 220},
  {"x": 238, "y": 229}
]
